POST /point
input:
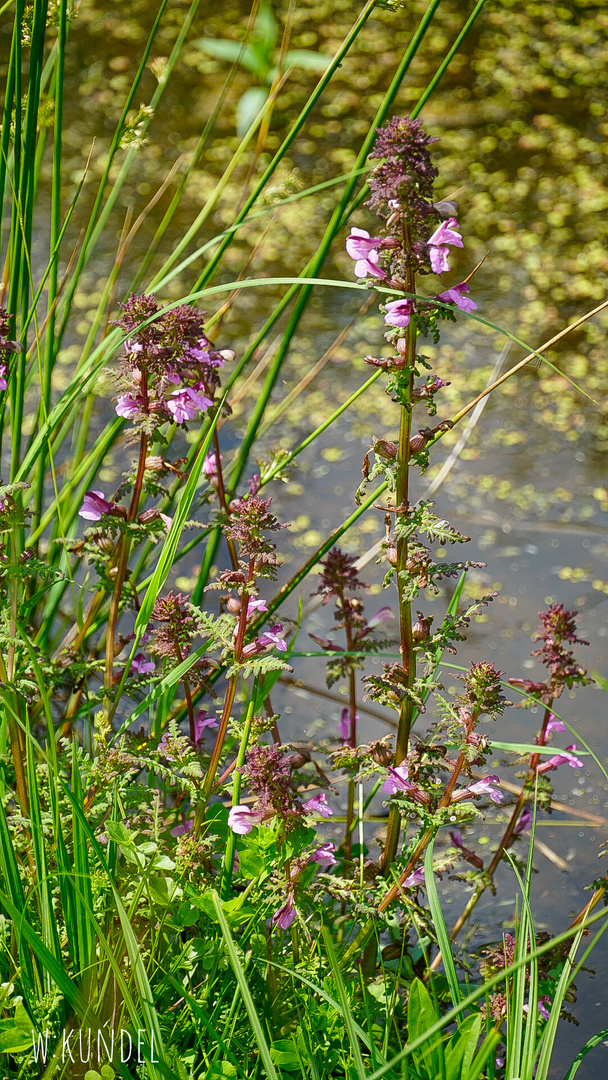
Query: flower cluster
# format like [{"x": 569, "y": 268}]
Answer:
[
  {"x": 250, "y": 519},
  {"x": 170, "y": 370},
  {"x": 417, "y": 233}
]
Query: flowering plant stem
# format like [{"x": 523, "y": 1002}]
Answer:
[
  {"x": 123, "y": 558},
  {"x": 507, "y": 835},
  {"x": 228, "y": 703},
  {"x": 236, "y": 792},
  {"x": 408, "y": 656}
]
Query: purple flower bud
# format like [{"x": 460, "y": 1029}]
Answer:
[
  {"x": 324, "y": 855},
  {"x": 344, "y": 725},
  {"x": 241, "y": 819},
  {"x": 3, "y": 382},
  {"x": 541, "y": 1005},
  {"x": 284, "y": 917},
  {"x": 94, "y": 505},
  {"x": 141, "y": 665},
  {"x": 318, "y": 805},
  {"x": 524, "y": 822}
]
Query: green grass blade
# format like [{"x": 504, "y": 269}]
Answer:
[
  {"x": 241, "y": 979},
  {"x": 595, "y": 1040},
  {"x": 441, "y": 930},
  {"x": 345, "y": 1008}
]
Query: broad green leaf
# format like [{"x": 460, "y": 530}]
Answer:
[
  {"x": 421, "y": 1018},
  {"x": 307, "y": 60},
  {"x": 461, "y": 1048},
  {"x": 248, "y": 108},
  {"x": 232, "y": 51}
]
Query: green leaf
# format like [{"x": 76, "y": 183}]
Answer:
[
  {"x": 119, "y": 833},
  {"x": 443, "y": 939},
  {"x": 307, "y": 60},
  {"x": 250, "y": 104},
  {"x": 241, "y": 979},
  {"x": 461, "y": 1048},
  {"x": 284, "y": 1053},
  {"x": 232, "y": 51},
  {"x": 595, "y": 1040},
  {"x": 421, "y": 1017}
]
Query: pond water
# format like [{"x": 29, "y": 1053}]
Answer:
[{"x": 521, "y": 117}]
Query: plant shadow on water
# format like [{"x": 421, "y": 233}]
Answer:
[{"x": 520, "y": 114}]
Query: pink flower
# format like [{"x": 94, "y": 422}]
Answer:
[
  {"x": 324, "y": 855},
  {"x": 185, "y": 404},
  {"x": 273, "y": 637},
  {"x": 561, "y": 759},
  {"x": 94, "y": 505},
  {"x": 344, "y": 725},
  {"x": 482, "y": 787},
  {"x": 256, "y": 604},
  {"x": 524, "y": 822},
  {"x": 127, "y": 405},
  {"x": 181, "y": 830},
  {"x": 241, "y": 819},
  {"x": 210, "y": 465},
  {"x": 202, "y": 721},
  {"x": 398, "y": 312},
  {"x": 456, "y": 296},
  {"x": 284, "y": 917},
  {"x": 554, "y": 724},
  {"x": 369, "y": 267},
  {"x": 444, "y": 234},
  {"x": 398, "y": 780},
  {"x": 360, "y": 244},
  {"x": 141, "y": 665},
  {"x": 414, "y": 879},
  {"x": 382, "y": 615},
  {"x": 318, "y": 805},
  {"x": 541, "y": 1005},
  {"x": 3, "y": 382}
]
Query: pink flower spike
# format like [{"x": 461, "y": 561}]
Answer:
[
  {"x": 456, "y": 296},
  {"x": 360, "y": 244},
  {"x": 94, "y": 505},
  {"x": 398, "y": 312},
  {"x": 397, "y": 781},
  {"x": 555, "y": 725},
  {"x": 284, "y": 917},
  {"x": 241, "y": 819},
  {"x": 141, "y": 665},
  {"x": 324, "y": 855},
  {"x": 318, "y": 805},
  {"x": 344, "y": 725},
  {"x": 255, "y": 604}
]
